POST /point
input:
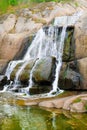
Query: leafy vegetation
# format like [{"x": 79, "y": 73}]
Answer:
[
  {"x": 11, "y": 5},
  {"x": 13, "y": 2}
]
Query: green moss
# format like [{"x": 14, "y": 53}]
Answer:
[
  {"x": 24, "y": 76},
  {"x": 18, "y": 66},
  {"x": 85, "y": 106},
  {"x": 13, "y": 2},
  {"x": 68, "y": 52},
  {"x": 76, "y": 4},
  {"x": 12, "y": 76},
  {"x": 77, "y": 100}
]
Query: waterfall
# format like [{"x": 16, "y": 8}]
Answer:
[
  {"x": 10, "y": 68},
  {"x": 59, "y": 60},
  {"x": 49, "y": 41}
]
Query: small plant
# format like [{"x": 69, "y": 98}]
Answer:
[{"x": 76, "y": 4}]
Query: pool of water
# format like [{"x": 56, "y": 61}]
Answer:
[{"x": 15, "y": 117}]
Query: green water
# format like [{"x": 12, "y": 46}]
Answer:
[{"x": 14, "y": 117}]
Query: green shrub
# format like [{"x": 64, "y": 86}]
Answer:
[{"x": 13, "y": 2}]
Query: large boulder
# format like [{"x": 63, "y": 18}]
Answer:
[
  {"x": 80, "y": 36},
  {"x": 69, "y": 79},
  {"x": 24, "y": 73},
  {"x": 43, "y": 75},
  {"x": 44, "y": 70},
  {"x": 40, "y": 71},
  {"x": 11, "y": 44},
  {"x": 73, "y": 75},
  {"x": 76, "y": 51}
]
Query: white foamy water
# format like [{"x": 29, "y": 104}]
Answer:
[
  {"x": 59, "y": 60},
  {"x": 10, "y": 68}
]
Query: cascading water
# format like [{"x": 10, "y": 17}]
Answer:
[
  {"x": 59, "y": 60},
  {"x": 49, "y": 41}
]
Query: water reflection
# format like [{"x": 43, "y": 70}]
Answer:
[{"x": 35, "y": 118}]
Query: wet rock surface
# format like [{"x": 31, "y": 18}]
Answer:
[
  {"x": 3, "y": 81},
  {"x": 70, "y": 80},
  {"x": 44, "y": 70},
  {"x": 71, "y": 101}
]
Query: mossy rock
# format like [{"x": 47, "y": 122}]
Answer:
[
  {"x": 24, "y": 77},
  {"x": 25, "y": 74},
  {"x": 13, "y": 74},
  {"x": 43, "y": 70},
  {"x": 69, "y": 47},
  {"x": 18, "y": 66}
]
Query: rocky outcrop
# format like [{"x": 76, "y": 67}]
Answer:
[
  {"x": 80, "y": 37},
  {"x": 15, "y": 31},
  {"x": 13, "y": 44},
  {"x": 73, "y": 102},
  {"x": 42, "y": 72},
  {"x": 70, "y": 79},
  {"x": 76, "y": 70},
  {"x": 79, "y": 53}
]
